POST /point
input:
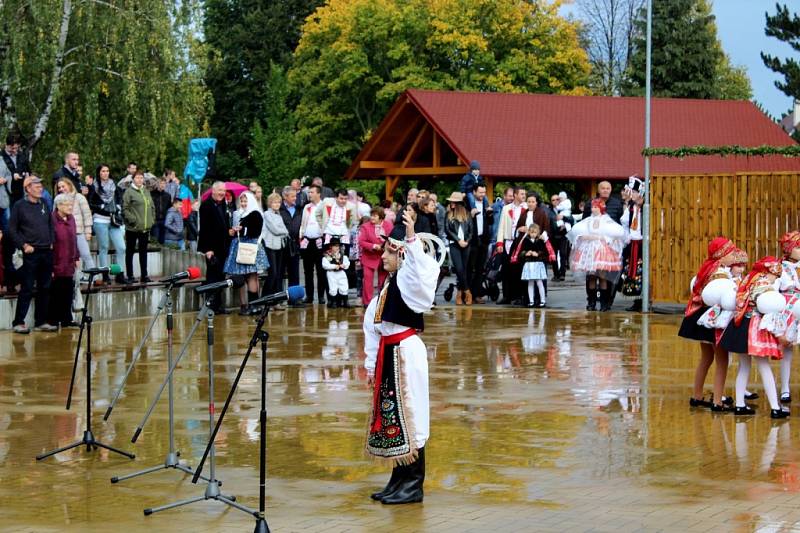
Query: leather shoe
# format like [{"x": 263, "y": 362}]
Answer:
[
  {"x": 720, "y": 408},
  {"x": 699, "y": 403},
  {"x": 778, "y": 413},
  {"x": 744, "y": 411},
  {"x": 786, "y": 397},
  {"x": 751, "y": 396}
]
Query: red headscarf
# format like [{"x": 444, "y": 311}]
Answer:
[
  {"x": 601, "y": 204},
  {"x": 717, "y": 249},
  {"x": 764, "y": 266},
  {"x": 789, "y": 241}
]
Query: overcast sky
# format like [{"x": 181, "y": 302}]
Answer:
[{"x": 740, "y": 27}]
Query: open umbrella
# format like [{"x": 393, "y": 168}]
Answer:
[{"x": 235, "y": 188}]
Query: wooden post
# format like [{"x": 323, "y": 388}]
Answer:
[
  {"x": 489, "y": 188},
  {"x": 391, "y": 186}
]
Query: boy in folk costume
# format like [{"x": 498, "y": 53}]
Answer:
[
  {"x": 753, "y": 333},
  {"x": 336, "y": 264},
  {"x": 336, "y": 216},
  {"x": 632, "y": 222},
  {"x": 720, "y": 255},
  {"x": 397, "y": 362}
]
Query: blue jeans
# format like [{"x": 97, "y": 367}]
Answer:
[
  {"x": 104, "y": 233},
  {"x": 179, "y": 243}
]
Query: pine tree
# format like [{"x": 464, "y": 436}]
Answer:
[{"x": 785, "y": 27}]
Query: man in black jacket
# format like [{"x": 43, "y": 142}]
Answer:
[
  {"x": 292, "y": 216},
  {"x": 162, "y": 201},
  {"x": 71, "y": 170},
  {"x": 215, "y": 237},
  {"x": 482, "y": 220},
  {"x": 31, "y": 230},
  {"x": 614, "y": 207}
]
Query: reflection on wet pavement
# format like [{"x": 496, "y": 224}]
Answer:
[{"x": 541, "y": 420}]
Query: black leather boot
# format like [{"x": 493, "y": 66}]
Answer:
[
  {"x": 391, "y": 486},
  {"x": 591, "y": 299},
  {"x": 409, "y": 490},
  {"x": 605, "y": 298},
  {"x": 343, "y": 303},
  {"x": 332, "y": 301}
]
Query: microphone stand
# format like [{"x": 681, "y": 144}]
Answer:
[
  {"x": 88, "y": 437},
  {"x": 212, "y": 491},
  {"x": 171, "y": 460},
  {"x": 263, "y": 336}
]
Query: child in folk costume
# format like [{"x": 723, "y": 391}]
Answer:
[
  {"x": 533, "y": 254},
  {"x": 597, "y": 243},
  {"x": 335, "y": 264},
  {"x": 397, "y": 362},
  {"x": 752, "y": 332},
  {"x": 720, "y": 256},
  {"x": 790, "y": 288}
]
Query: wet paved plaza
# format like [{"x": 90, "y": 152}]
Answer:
[{"x": 541, "y": 421}]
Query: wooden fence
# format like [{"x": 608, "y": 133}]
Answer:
[{"x": 753, "y": 210}]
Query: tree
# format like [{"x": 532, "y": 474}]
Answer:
[
  {"x": 275, "y": 149},
  {"x": 357, "y": 56},
  {"x": 687, "y": 58},
  {"x": 608, "y": 33},
  {"x": 113, "y": 81},
  {"x": 785, "y": 27},
  {"x": 244, "y": 38}
]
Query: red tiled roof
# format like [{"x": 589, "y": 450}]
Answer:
[{"x": 554, "y": 136}]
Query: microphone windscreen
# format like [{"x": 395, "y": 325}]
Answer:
[
  {"x": 114, "y": 269},
  {"x": 295, "y": 293},
  {"x": 194, "y": 272}
]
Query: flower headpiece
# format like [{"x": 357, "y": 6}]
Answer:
[
  {"x": 600, "y": 204},
  {"x": 764, "y": 266},
  {"x": 789, "y": 241}
]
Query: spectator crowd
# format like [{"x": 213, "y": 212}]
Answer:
[{"x": 260, "y": 240}]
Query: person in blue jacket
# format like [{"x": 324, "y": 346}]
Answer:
[{"x": 468, "y": 182}]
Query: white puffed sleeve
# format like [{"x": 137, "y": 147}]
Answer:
[
  {"x": 417, "y": 278},
  {"x": 770, "y": 302},
  {"x": 372, "y": 337},
  {"x": 579, "y": 230},
  {"x": 714, "y": 291}
]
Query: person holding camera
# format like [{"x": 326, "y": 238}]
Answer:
[{"x": 105, "y": 202}]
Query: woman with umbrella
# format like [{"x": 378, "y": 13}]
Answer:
[{"x": 242, "y": 260}]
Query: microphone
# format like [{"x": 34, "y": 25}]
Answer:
[
  {"x": 112, "y": 269},
  {"x": 190, "y": 273},
  {"x": 293, "y": 294},
  {"x": 214, "y": 286}
]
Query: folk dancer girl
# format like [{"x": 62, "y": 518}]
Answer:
[
  {"x": 597, "y": 243},
  {"x": 397, "y": 361},
  {"x": 752, "y": 332},
  {"x": 789, "y": 286},
  {"x": 533, "y": 255},
  {"x": 720, "y": 255}
]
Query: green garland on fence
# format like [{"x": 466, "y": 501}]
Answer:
[{"x": 734, "y": 149}]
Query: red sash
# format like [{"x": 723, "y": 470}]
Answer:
[{"x": 385, "y": 340}]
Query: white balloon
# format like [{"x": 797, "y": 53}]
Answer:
[
  {"x": 770, "y": 302},
  {"x": 715, "y": 289}
]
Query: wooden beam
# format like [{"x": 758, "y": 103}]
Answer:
[
  {"x": 490, "y": 189},
  {"x": 391, "y": 186},
  {"x": 409, "y": 156},
  {"x": 379, "y": 164},
  {"x": 410, "y": 128},
  {"x": 437, "y": 150},
  {"x": 424, "y": 171}
]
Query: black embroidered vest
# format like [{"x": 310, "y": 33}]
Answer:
[{"x": 396, "y": 311}]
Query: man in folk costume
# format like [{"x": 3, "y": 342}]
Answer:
[
  {"x": 336, "y": 216},
  {"x": 632, "y": 222},
  {"x": 507, "y": 230},
  {"x": 397, "y": 362},
  {"x": 790, "y": 288}
]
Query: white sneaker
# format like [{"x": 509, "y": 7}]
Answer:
[
  {"x": 22, "y": 329},
  {"x": 47, "y": 328}
]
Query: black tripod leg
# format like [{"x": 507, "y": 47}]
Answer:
[
  {"x": 59, "y": 450},
  {"x": 115, "y": 450}
]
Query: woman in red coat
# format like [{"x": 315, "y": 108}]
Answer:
[{"x": 370, "y": 242}]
